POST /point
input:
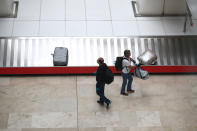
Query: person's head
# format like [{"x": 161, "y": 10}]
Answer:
[
  {"x": 127, "y": 53},
  {"x": 100, "y": 60}
]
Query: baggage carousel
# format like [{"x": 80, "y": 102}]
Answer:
[{"x": 33, "y": 55}]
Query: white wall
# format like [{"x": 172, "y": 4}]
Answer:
[{"x": 74, "y": 18}]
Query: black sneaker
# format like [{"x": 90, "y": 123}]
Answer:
[
  {"x": 131, "y": 91},
  {"x": 124, "y": 94},
  {"x": 108, "y": 105},
  {"x": 100, "y": 102}
]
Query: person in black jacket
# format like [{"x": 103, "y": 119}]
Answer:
[{"x": 100, "y": 85}]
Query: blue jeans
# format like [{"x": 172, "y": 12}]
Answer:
[
  {"x": 126, "y": 77},
  {"x": 100, "y": 87}
]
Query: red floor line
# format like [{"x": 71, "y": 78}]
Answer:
[{"x": 90, "y": 70}]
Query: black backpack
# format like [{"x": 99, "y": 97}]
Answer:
[
  {"x": 109, "y": 76},
  {"x": 118, "y": 63}
]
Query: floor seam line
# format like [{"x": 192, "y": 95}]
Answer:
[{"x": 77, "y": 105}]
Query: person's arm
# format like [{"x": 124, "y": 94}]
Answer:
[
  {"x": 133, "y": 60},
  {"x": 131, "y": 67}
]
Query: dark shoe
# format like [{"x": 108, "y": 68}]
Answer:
[
  {"x": 100, "y": 102},
  {"x": 108, "y": 105},
  {"x": 124, "y": 94},
  {"x": 131, "y": 91}
]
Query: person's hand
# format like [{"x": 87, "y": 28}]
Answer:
[
  {"x": 138, "y": 65},
  {"x": 133, "y": 60}
]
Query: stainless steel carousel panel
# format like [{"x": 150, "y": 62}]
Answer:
[{"x": 83, "y": 51}]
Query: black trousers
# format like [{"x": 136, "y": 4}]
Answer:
[{"x": 100, "y": 87}]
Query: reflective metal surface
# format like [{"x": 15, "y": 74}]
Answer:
[
  {"x": 14, "y": 12},
  {"x": 137, "y": 14},
  {"x": 83, "y": 51}
]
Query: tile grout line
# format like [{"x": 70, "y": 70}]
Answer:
[
  {"x": 13, "y": 24},
  {"x": 163, "y": 26},
  {"x": 138, "y": 28},
  {"x": 38, "y": 34},
  {"x": 111, "y": 17},
  {"x": 65, "y": 22},
  {"x": 86, "y": 21},
  {"x": 77, "y": 105}
]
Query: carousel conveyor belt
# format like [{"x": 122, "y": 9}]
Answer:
[{"x": 83, "y": 51}]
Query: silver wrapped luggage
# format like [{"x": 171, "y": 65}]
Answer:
[
  {"x": 141, "y": 73},
  {"x": 60, "y": 56},
  {"x": 147, "y": 58}
]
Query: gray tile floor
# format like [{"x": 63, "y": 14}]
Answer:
[{"x": 68, "y": 103}]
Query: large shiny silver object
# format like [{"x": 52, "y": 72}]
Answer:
[
  {"x": 147, "y": 58},
  {"x": 84, "y": 51}
]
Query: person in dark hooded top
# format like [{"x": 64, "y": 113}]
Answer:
[{"x": 100, "y": 85}]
